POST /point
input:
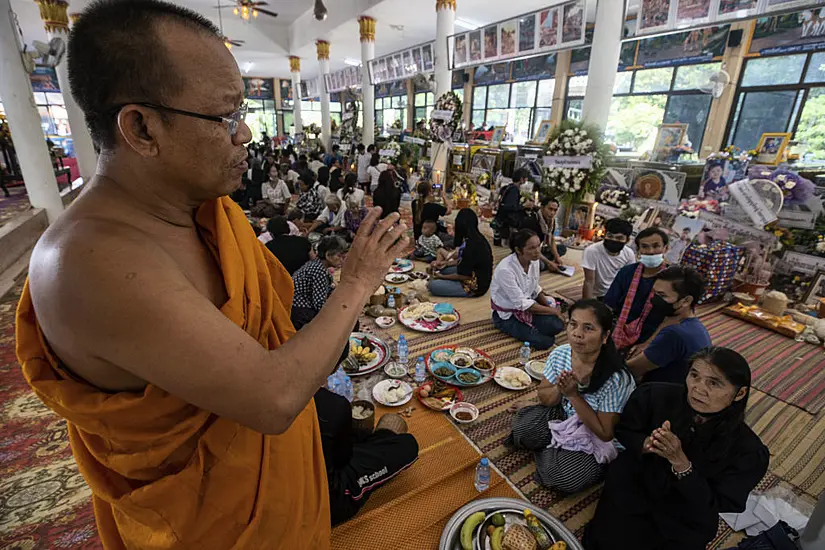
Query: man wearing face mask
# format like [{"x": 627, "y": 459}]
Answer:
[
  {"x": 681, "y": 334},
  {"x": 601, "y": 261},
  {"x": 631, "y": 291}
]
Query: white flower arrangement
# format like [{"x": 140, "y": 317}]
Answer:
[
  {"x": 574, "y": 142},
  {"x": 390, "y": 146},
  {"x": 443, "y": 130}
]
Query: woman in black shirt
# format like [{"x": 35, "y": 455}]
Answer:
[
  {"x": 470, "y": 276},
  {"x": 387, "y": 195},
  {"x": 689, "y": 457},
  {"x": 291, "y": 250},
  {"x": 425, "y": 208}
]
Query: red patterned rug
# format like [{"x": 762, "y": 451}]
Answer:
[{"x": 44, "y": 501}]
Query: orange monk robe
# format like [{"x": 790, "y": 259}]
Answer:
[{"x": 167, "y": 475}]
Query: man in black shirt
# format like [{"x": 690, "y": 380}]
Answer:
[
  {"x": 292, "y": 251},
  {"x": 510, "y": 213}
]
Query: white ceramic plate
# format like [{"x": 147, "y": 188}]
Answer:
[
  {"x": 379, "y": 392},
  {"x": 396, "y": 278},
  {"x": 512, "y": 371}
]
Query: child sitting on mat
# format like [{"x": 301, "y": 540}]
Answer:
[{"x": 428, "y": 243}]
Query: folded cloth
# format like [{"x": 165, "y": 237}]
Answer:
[
  {"x": 573, "y": 435},
  {"x": 165, "y": 474}
]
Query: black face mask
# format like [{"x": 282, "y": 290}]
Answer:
[
  {"x": 614, "y": 247},
  {"x": 662, "y": 306}
]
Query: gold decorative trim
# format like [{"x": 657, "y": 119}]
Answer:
[
  {"x": 367, "y": 26},
  {"x": 322, "y": 47},
  {"x": 294, "y": 64},
  {"x": 54, "y": 15},
  {"x": 444, "y": 5},
  {"x": 73, "y": 17}
]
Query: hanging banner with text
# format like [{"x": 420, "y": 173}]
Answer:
[
  {"x": 414, "y": 140},
  {"x": 584, "y": 162},
  {"x": 747, "y": 197},
  {"x": 446, "y": 115}
]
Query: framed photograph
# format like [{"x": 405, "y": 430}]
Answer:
[
  {"x": 382, "y": 69},
  {"x": 579, "y": 217},
  {"x": 543, "y": 133},
  {"x": 460, "y": 57},
  {"x": 427, "y": 57},
  {"x": 527, "y": 33},
  {"x": 670, "y": 135},
  {"x": 771, "y": 147},
  {"x": 692, "y": 12},
  {"x": 778, "y": 5},
  {"x": 507, "y": 38},
  {"x": 475, "y": 46},
  {"x": 572, "y": 30},
  {"x": 419, "y": 65},
  {"x": 682, "y": 233},
  {"x": 736, "y": 9},
  {"x": 548, "y": 28},
  {"x": 399, "y": 65},
  {"x": 657, "y": 185},
  {"x": 497, "y": 137},
  {"x": 654, "y": 15},
  {"x": 408, "y": 63},
  {"x": 491, "y": 42},
  {"x": 816, "y": 290}
]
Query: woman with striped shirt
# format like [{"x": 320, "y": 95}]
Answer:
[{"x": 585, "y": 388}]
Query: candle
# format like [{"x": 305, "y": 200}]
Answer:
[{"x": 537, "y": 197}]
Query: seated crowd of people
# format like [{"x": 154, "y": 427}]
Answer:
[{"x": 637, "y": 397}]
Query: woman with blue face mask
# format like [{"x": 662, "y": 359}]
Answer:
[{"x": 631, "y": 293}]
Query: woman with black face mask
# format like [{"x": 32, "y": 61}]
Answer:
[
  {"x": 681, "y": 334},
  {"x": 688, "y": 457}
]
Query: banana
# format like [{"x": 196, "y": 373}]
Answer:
[
  {"x": 467, "y": 529},
  {"x": 496, "y": 538}
]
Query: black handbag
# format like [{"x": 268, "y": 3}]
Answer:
[{"x": 779, "y": 537}]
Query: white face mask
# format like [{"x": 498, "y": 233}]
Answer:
[{"x": 652, "y": 260}]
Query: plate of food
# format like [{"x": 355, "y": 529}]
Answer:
[
  {"x": 419, "y": 275},
  {"x": 392, "y": 393},
  {"x": 401, "y": 265},
  {"x": 424, "y": 318},
  {"x": 463, "y": 412},
  {"x": 478, "y": 370},
  {"x": 443, "y": 371},
  {"x": 396, "y": 278},
  {"x": 513, "y": 378},
  {"x": 535, "y": 369},
  {"x": 366, "y": 351},
  {"x": 437, "y": 395}
]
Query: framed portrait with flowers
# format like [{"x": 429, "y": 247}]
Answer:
[
  {"x": 543, "y": 133},
  {"x": 816, "y": 290},
  {"x": 771, "y": 148},
  {"x": 579, "y": 217}
]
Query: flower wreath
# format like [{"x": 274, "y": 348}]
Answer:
[
  {"x": 443, "y": 130},
  {"x": 573, "y": 139},
  {"x": 396, "y": 151}
]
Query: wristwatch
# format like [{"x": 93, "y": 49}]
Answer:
[{"x": 683, "y": 474}]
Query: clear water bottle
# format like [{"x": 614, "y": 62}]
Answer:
[
  {"x": 340, "y": 383},
  {"x": 403, "y": 351},
  {"x": 420, "y": 371},
  {"x": 482, "y": 480},
  {"x": 524, "y": 354},
  {"x": 391, "y": 301}
]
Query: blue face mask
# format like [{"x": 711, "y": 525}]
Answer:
[{"x": 652, "y": 260}]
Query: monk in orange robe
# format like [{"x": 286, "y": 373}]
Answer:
[{"x": 156, "y": 323}]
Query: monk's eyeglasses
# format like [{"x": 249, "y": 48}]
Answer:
[{"x": 232, "y": 121}]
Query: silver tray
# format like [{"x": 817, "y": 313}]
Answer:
[{"x": 450, "y": 537}]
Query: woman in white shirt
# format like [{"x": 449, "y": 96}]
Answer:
[
  {"x": 276, "y": 192},
  {"x": 331, "y": 219},
  {"x": 350, "y": 189},
  {"x": 520, "y": 307},
  {"x": 374, "y": 171}
]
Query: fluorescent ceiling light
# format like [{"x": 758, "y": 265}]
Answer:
[
  {"x": 467, "y": 24},
  {"x": 353, "y": 62}
]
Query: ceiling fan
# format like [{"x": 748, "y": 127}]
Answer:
[
  {"x": 228, "y": 42},
  {"x": 248, "y": 9}
]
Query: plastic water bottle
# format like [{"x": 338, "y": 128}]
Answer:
[
  {"x": 524, "y": 354},
  {"x": 391, "y": 301},
  {"x": 420, "y": 371},
  {"x": 403, "y": 351},
  {"x": 341, "y": 384},
  {"x": 482, "y": 480}
]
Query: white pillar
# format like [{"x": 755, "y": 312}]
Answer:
[
  {"x": 604, "y": 61},
  {"x": 322, "y": 47},
  {"x": 445, "y": 26},
  {"x": 367, "y": 26},
  {"x": 295, "y": 68},
  {"x": 24, "y": 120},
  {"x": 56, "y": 21}
]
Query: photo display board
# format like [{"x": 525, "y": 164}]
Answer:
[{"x": 403, "y": 65}]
